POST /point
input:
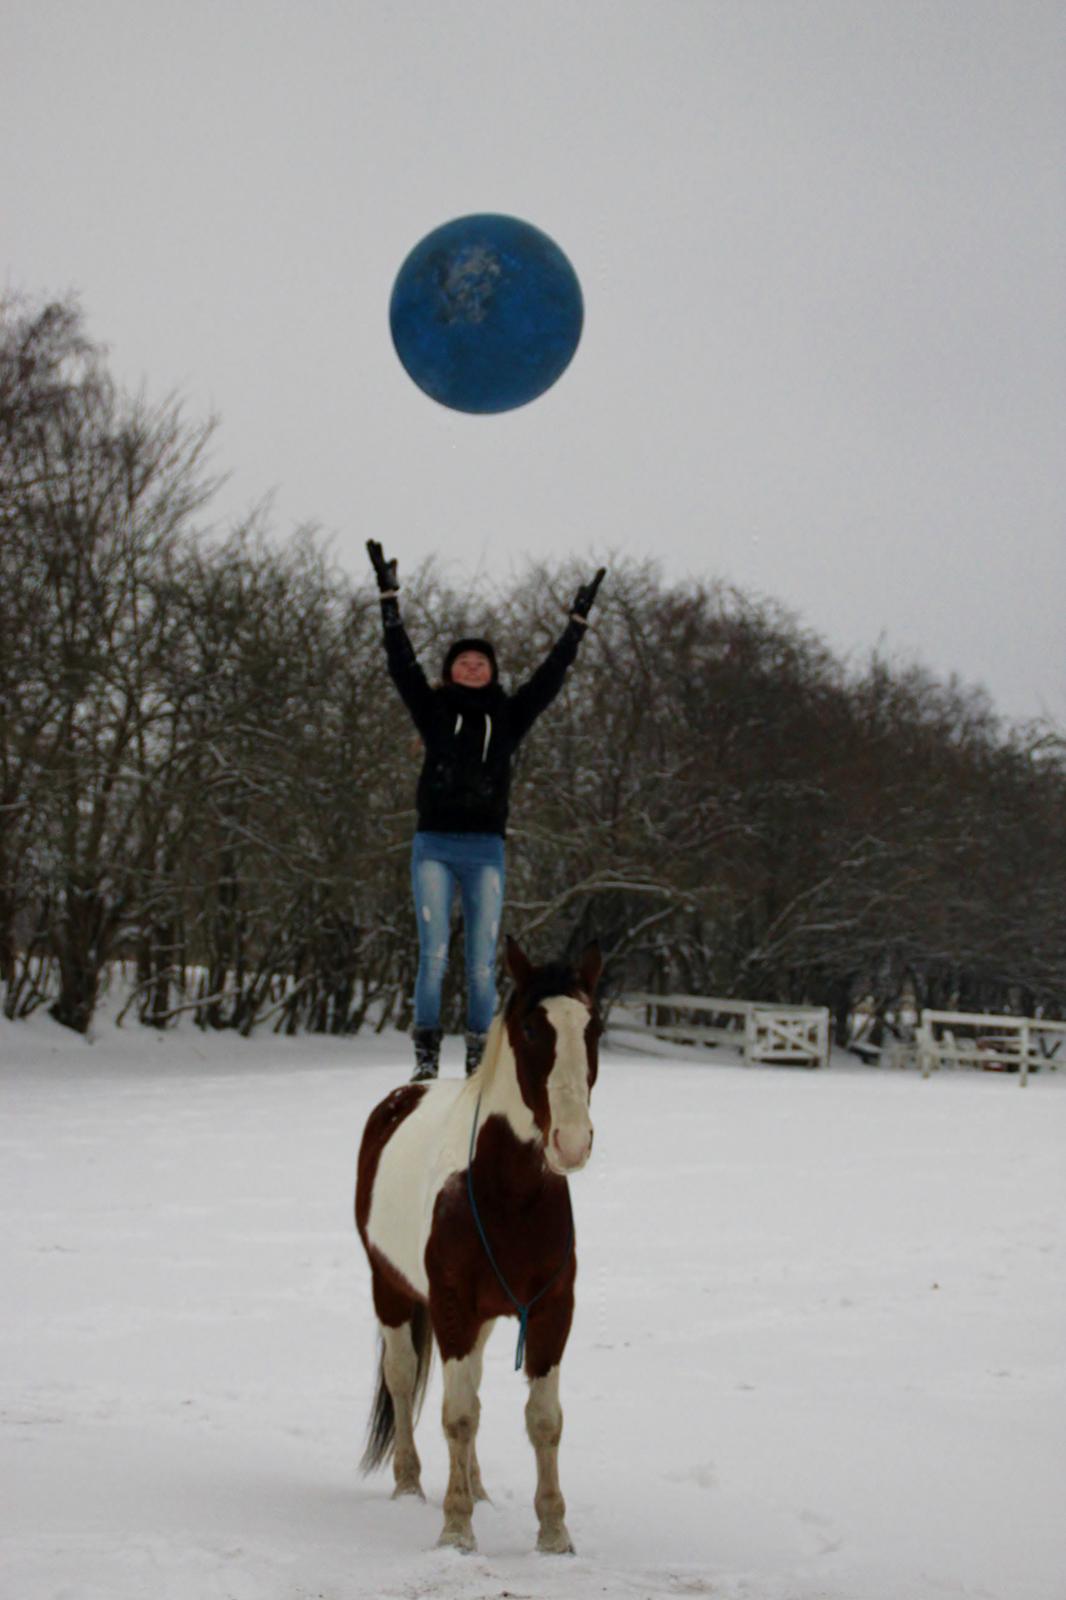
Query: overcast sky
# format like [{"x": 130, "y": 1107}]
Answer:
[{"x": 822, "y": 247}]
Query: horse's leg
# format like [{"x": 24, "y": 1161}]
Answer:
[
  {"x": 548, "y": 1330},
  {"x": 476, "y": 1486},
  {"x": 462, "y": 1410},
  {"x": 400, "y": 1364},
  {"x": 544, "y": 1424},
  {"x": 400, "y": 1370}
]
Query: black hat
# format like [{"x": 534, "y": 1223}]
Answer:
[{"x": 483, "y": 648}]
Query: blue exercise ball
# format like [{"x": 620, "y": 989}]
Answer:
[{"x": 486, "y": 313}]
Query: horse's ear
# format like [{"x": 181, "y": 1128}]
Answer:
[
  {"x": 590, "y": 966},
  {"x": 516, "y": 962}
]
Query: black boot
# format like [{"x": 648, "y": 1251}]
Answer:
[
  {"x": 427, "y": 1054},
  {"x": 475, "y": 1049}
]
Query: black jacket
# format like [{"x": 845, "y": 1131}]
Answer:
[{"x": 470, "y": 735}]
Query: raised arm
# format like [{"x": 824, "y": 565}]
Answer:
[
  {"x": 404, "y": 668},
  {"x": 538, "y": 692}
]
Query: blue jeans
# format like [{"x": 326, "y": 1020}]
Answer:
[{"x": 441, "y": 865}]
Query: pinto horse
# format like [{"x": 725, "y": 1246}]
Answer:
[{"x": 463, "y": 1208}]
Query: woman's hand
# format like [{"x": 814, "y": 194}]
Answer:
[
  {"x": 585, "y": 596},
  {"x": 388, "y": 581}
]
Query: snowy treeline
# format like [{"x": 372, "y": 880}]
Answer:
[{"x": 205, "y": 771}]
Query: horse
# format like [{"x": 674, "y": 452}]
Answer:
[{"x": 463, "y": 1208}]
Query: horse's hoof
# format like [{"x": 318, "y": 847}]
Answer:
[
  {"x": 555, "y": 1542},
  {"x": 457, "y": 1538},
  {"x": 404, "y": 1490}
]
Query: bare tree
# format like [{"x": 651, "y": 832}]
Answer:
[
  {"x": 97, "y": 490},
  {"x": 204, "y": 767}
]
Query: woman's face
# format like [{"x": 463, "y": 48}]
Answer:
[{"x": 472, "y": 670}]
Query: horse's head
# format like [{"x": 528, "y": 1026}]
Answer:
[{"x": 554, "y": 1027}]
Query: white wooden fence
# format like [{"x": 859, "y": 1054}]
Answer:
[
  {"x": 764, "y": 1032},
  {"x": 1005, "y": 1044}
]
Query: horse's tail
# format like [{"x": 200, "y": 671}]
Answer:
[{"x": 381, "y": 1430}]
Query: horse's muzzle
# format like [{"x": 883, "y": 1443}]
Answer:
[{"x": 568, "y": 1149}]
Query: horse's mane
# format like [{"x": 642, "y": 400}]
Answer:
[{"x": 490, "y": 1056}]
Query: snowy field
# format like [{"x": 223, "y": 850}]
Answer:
[{"x": 818, "y": 1355}]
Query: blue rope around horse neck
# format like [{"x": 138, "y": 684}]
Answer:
[{"x": 523, "y": 1310}]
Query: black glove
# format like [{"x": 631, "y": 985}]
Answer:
[
  {"x": 585, "y": 596},
  {"x": 388, "y": 582}
]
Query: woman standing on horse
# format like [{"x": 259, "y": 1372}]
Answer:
[{"x": 470, "y": 728}]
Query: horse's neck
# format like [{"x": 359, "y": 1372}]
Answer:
[
  {"x": 510, "y": 1171},
  {"x": 500, "y": 1094}
]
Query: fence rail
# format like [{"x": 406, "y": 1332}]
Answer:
[
  {"x": 971, "y": 1038},
  {"x": 763, "y": 1031}
]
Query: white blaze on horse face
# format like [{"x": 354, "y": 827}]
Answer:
[{"x": 569, "y": 1141}]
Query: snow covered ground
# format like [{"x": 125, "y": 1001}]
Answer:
[{"x": 818, "y": 1355}]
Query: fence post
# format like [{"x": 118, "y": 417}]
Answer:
[{"x": 749, "y": 1036}]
